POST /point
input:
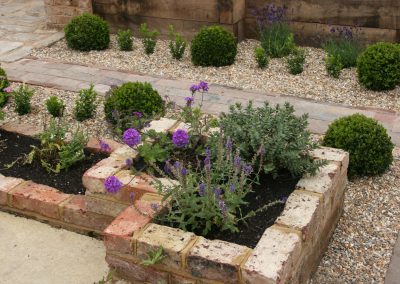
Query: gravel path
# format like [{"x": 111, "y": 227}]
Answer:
[
  {"x": 362, "y": 245},
  {"x": 313, "y": 83}
]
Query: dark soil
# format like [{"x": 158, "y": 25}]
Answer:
[
  {"x": 250, "y": 232},
  {"x": 14, "y": 147}
]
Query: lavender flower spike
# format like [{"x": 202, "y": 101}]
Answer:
[{"x": 104, "y": 147}]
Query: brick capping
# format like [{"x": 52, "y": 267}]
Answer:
[{"x": 288, "y": 252}]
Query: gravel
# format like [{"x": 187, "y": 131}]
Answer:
[
  {"x": 362, "y": 244},
  {"x": 313, "y": 83}
]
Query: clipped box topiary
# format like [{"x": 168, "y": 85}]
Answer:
[
  {"x": 367, "y": 141},
  {"x": 87, "y": 32},
  {"x": 213, "y": 46},
  {"x": 378, "y": 67},
  {"x": 133, "y": 97}
]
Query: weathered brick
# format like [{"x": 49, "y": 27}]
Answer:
[
  {"x": 216, "y": 260},
  {"x": 38, "y": 198},
  {"x": 177, "y": 279},
  {"x": 302, "y": 212},
  {"x": 93, "y": 145},
  {"x": 93, "y": 179},
  {"x": 332, "y": 154},
  {"x": 173, "y": 241},
  {"x": 124, "y": 152},
  {"x": 127, "y": 269},
  {"x": 89, "y": 212},
  {"x": 161, "y": 125},
  {"x": 6, "y": 184},
  {"x": 134, "y": 186},
  {"x": 118, "y": 235},
  {"x": 146, "y": 202},
  {"x": 273, "y": 259},
  {"x": 21, "y": 128},
  {"x": 180, "y": 125}
]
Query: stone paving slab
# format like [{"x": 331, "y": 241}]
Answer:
[
  {"x": 72, "y": 77},
  {"x": 393, "y": 273}
]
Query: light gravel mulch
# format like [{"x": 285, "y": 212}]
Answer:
[
  {"x": 362, "y": 244},
  {"x": 313, "y": 83}
]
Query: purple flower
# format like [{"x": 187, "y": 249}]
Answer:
[
  {"x": 207, "y": 160},
  {"x": 167, "y": 167},
  {"x": 217, "y": 192},
  {"x": 204, "y": 86},
  {"x": 138, "y": 114},
  {"x": 177, "y": 164},
  {"x": 184, "y": 171},
  {"x": 129, "y": 162},
  {"x": 180, "y": 138},
  {"x": 8, "y": 90},
  {"x": 189, "y": 101},
  {"x": 222, "y": 206},
  {"x": 104, "y": 146},
  {"x": 247, "y": 169},
  {"x": 202, "y": 189},
  {"x": 237, "y": 161},
  {"x": 154, "y": 206},
  {"x": 229, "y": 144},
  {"x": 131, "y": 137},
  {"x": 333, "y": 30},
  {"x": 232, "y": 188},
  {"x": 113, "y": 184},
  {"x": 194, "y": 88}
]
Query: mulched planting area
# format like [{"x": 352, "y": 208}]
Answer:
[
  {"x": 13, "y": 147},
  {"x": 268, "y": 190}
]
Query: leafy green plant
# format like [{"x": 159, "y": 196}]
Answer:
[
  {"x": 2, "y": 115},
  {"x": 124, "y": 39},
  {"x": 261, "y": 57},
  {"x": 149, "y": 38},
  {"x": 367, "y": 142},
  {"x": 154, "y": 257},
  {"x": 347, "y": 50},
  {"x": 22, "y": 99},
  {"x": 87, "y": 32},
  {"x": 295, "y": 61},
  {"x": 55, "y": 106},
  {"x": 4, "y": 83},
  {"x": 177, "y": 44},
  {"x": 130, "y": 98},
  {"x": 159, "y": 150},
  {"x": 378, "y": 67},
  {"x": 213, "y": 46},
  {"x": 3, "y": 98},
  {"x": 277, "y": 40},
  {"x": 54, "y": 153},
  {"x": 283, "y": 137},
  {"x": 333, "y": 65},
  {"x": 85, "y": 105}
]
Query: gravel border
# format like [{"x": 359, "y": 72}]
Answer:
[{"x": 313, "y": 83}]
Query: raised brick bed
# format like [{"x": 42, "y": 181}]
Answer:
[{"x": 288, "y": 252}]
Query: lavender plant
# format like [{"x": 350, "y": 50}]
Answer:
[
  {"x": 261, "y": 57},
  {"x": 22, "y": 98},
  {"x": 295, "y": 61}
]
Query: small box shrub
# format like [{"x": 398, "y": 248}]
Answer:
[
  {"x": 378, "y": 67},
  {"x": 55, "y": 106},
  {"x": 125, "y": 42},
  {"x": 22, "y": 99},
  {"x": 213, "y": 46},
  {"x": 261, "y": 57},
  {"x": 333, "y": 65},
  {"x": 367, "y": 141},
  {"x": 87, "y": 32},
  {"x": 4, "y": 83},
  {"x": 295, "y": 61},
  {"x": 133, "y": 97},
  {"x": 85, "y": 106},
  {"x": 149, "y": 38},
  {"x": 177, "y": 44}
]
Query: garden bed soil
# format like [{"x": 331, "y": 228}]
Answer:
[
  {"x": 268, "y": 190},
  {"x": 14, "y": 146}
]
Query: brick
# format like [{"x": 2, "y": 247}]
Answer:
[
  {"x": 273, "y": 259},
  {"x": 127, "y": 269},
  {"x": 21, "y": 128},
  {"x": 302, "y": 212},
  {"x": 6, "y": 184},
  {"x": 176, "y": 279},
  {"x": 144, "y": 204},
  {"x": 89, "y": 212},
  {"x": 93, "y": 145},
  {"x": 118, "y": 235},
  {"x": 38, "y": 198},
  {"x": 93, "y": 179},
  {"x": 133, "y": 184},
  {"x": 161, "y": 125},
  {"x": 180, "y": 125},
  {"x": 124, "y": 152},
  {"x": 216, "y": 260},
  {"x": 174, "y": 242},
  {"x": 332, "y": 154}
]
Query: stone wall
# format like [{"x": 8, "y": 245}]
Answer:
[{"x": 60, "y": 12}]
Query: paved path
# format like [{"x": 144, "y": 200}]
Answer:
[
  {"x": 74, "y": 77},
  {"x": 393, "y": 273},
  {"x": 22, "y": 27},
  {"x": 35, "y": 253}
]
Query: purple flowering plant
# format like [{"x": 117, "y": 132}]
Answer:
[{"x": 211, "y": 194}]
